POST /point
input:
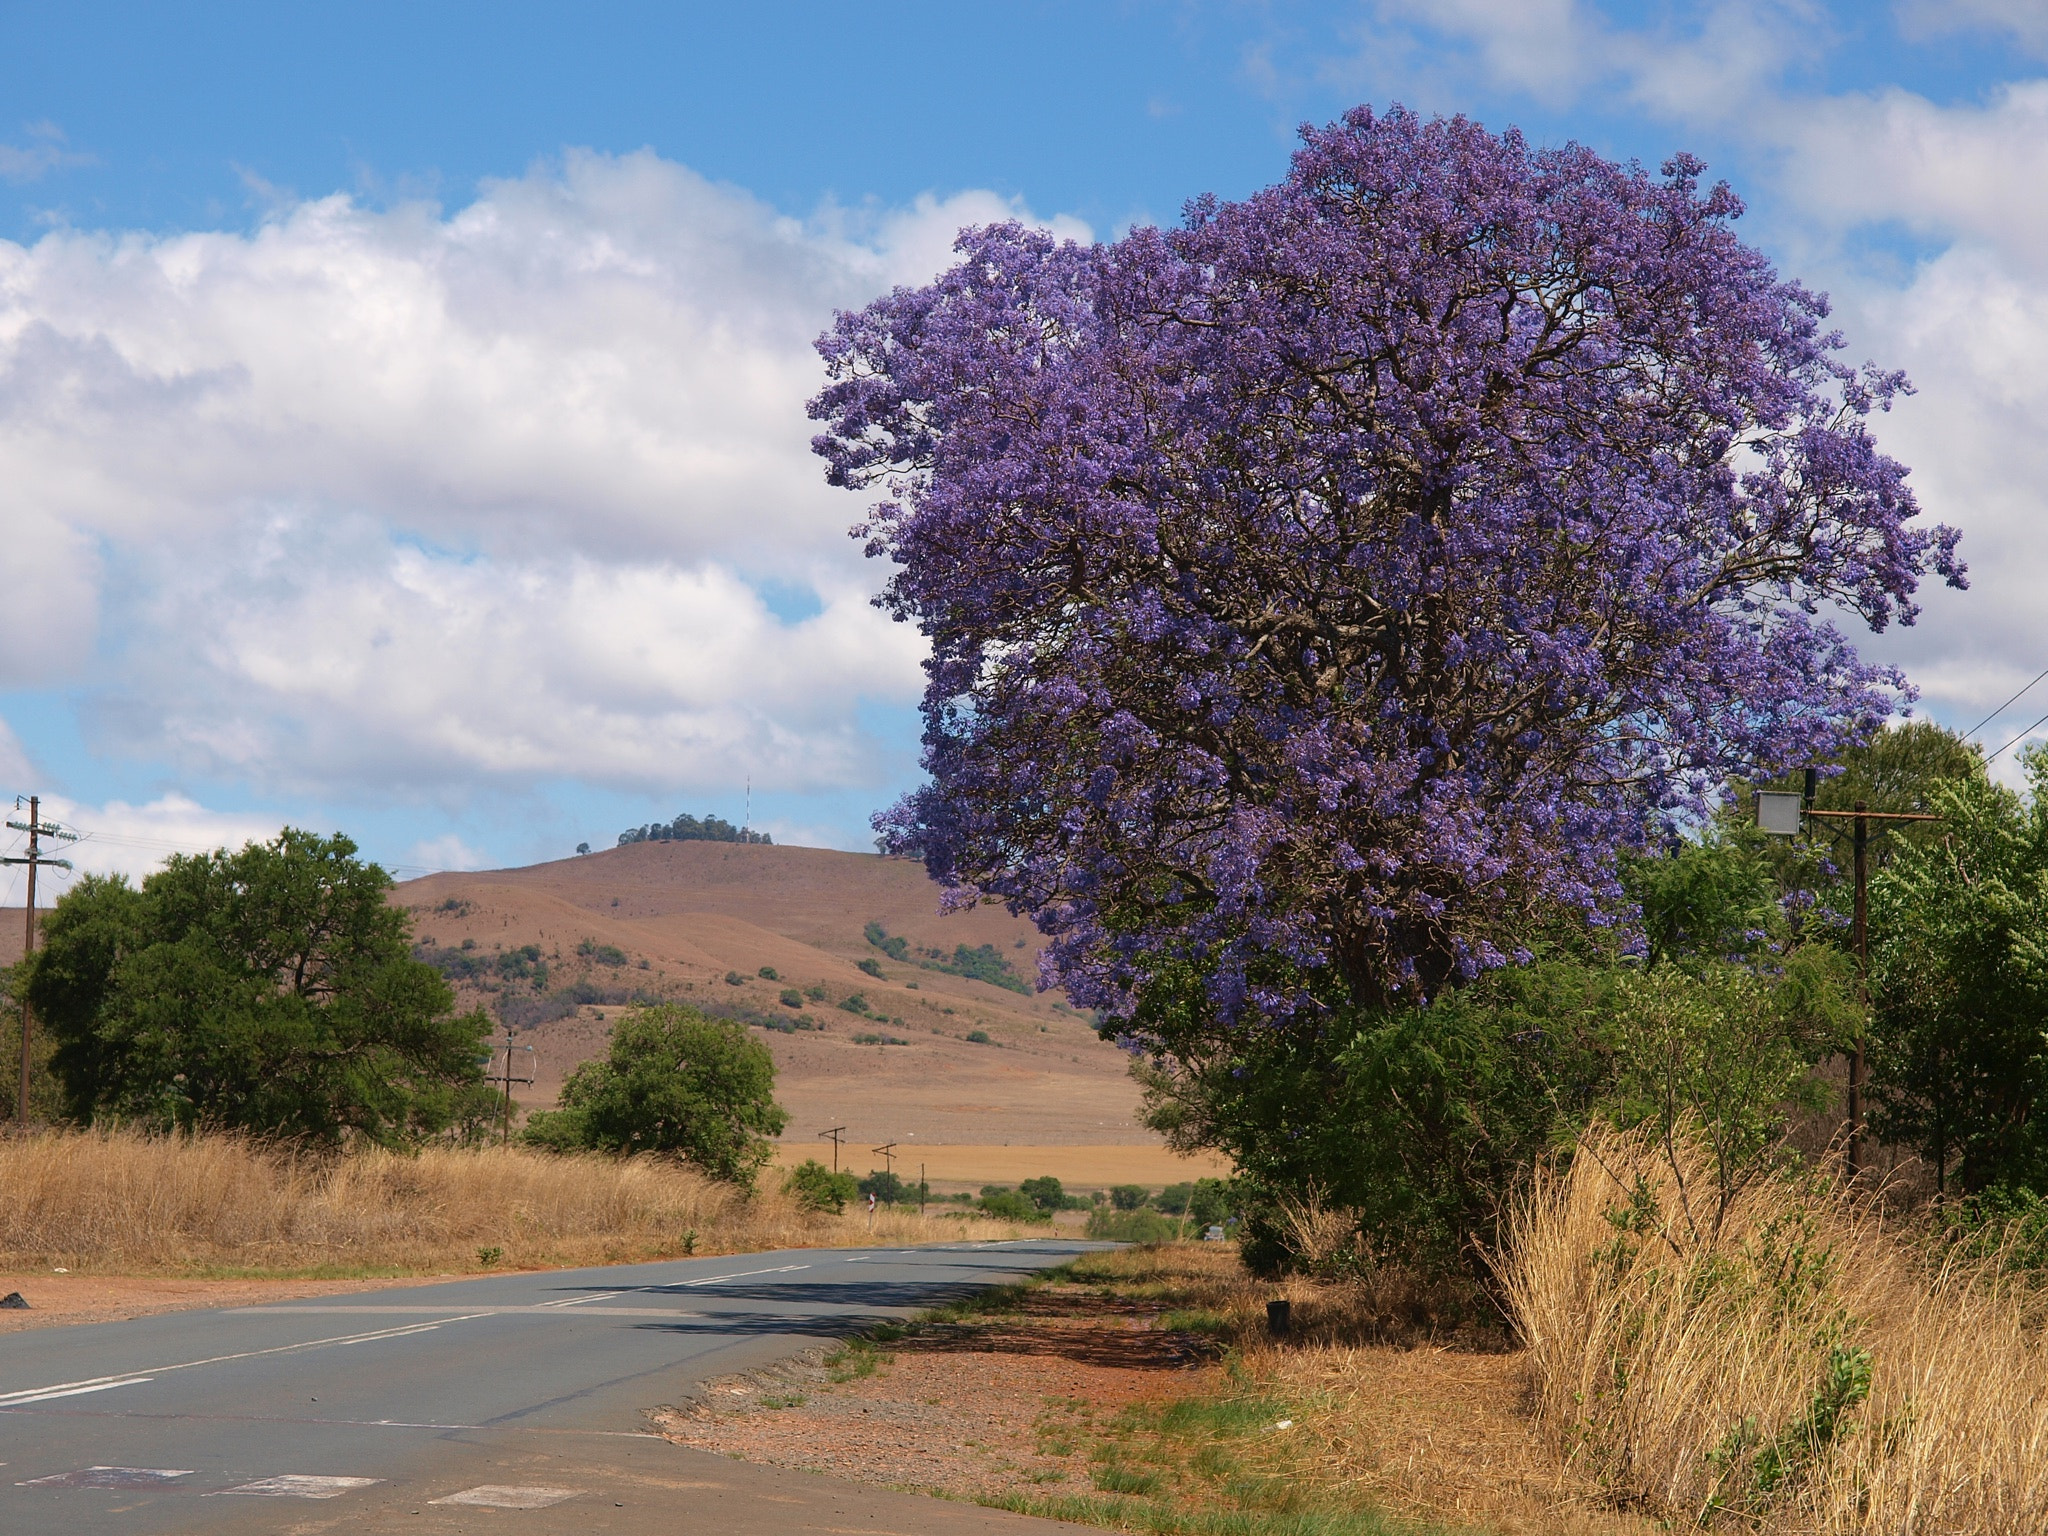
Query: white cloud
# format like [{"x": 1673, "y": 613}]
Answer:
[
  {"x": 132, "y": 840},
  {"x": 1969, "y": 171},
  {"x": 363, "y": 498},
  {"x": 441, "y": 853},
  {"x": 2025, "y": 21}
]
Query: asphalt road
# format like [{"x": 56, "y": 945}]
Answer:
[{"x": 521, "y": 1397}]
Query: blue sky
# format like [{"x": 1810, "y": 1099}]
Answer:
[{"x": 401, "y": 405}]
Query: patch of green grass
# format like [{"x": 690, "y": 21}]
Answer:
[
  {"x": 1219, "y": 1418},
  {"x": 851, "y": 1361},
  {"x": 1116, "y": 1513},
  {"x": 783, "y": 1400},
  {"x": 1114, "y": 1477},
  {"x": 1196, "y": 1320}
]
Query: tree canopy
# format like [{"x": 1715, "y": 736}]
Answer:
[
  {"x": 1323, "y": 592},
  {"x": 673, "y": 1082},
  {"x": 269, "y": 990}
]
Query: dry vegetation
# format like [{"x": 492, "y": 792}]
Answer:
[
  {"x": 1804, "y": 1372},
  {"x": 118, "y": 1201},
  {"x": 1137, "y": 1390}
]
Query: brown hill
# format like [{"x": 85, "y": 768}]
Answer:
[{"x": 699, "y": 921}]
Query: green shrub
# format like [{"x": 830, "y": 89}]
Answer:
[
  {"x": 818, "y": 1188},
  {"x": 815, "y": 993},
  {"x": 767, "y": 973},
  {"x": 1144, "y": 1225},
  {"x": 1044, "y": 1193},
  {"x": 674, "y": 1082},
  {"x": 735, "y": 979},
  {"x": 791, "y": 998},
  {"x": 1128, "y": 1197},
  {"x": 1010, "y": 1205},
  {"x": 857, "y": 1003},
  {"x": 870, "y": 967},
  {"x": 978, "y": 1037}
]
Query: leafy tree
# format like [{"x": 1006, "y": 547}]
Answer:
[
  {"x": 1959, "y": 973},
  {"x": 1046, "y": 1193},
  {"x": 1322, "y": 592},
  {"x": 676, "y": 1083},
  {"x": 886, "y": 1186},
  {"x": 818, "y": 1187},
  {"x": 1128, "y": 1197},
  {"x": 1009, "y": 1204},
  {"x": 269, "y": 990}
]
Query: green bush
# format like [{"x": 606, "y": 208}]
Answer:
[
  {"x": 815, "y": 993},
  {"x": 674, "y": 1082},
  {"x": 857, "y": 1003},
  {"x": 1044, "y": 1193},
  {"x": 1144, "y": 1225},
  {"x": 818, "y": 1188},
  {"x": 1128, "y": 1197},
  {"x": 978, "y": 1037},
  {"x": 791, "y": 998},
  {"x": 1010, "y": 1205},
  {"x": 270, "y": 991},
  {"x": 887, "y": 1187},
  {"x": 767, "y": 973},
  {"x": 870, "y": 967}
]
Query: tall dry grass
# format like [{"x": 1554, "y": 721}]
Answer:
[
  {"x": 1803, "y": 1373},
  {"x": 112, "y": 1200}
]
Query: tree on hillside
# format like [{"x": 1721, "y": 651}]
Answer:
[
  {"x": 688, "y": 829},
  {"x": 1323, "y": 594},
  {"x": 673, "y": 1082},
  {"x": 270, "y": 990}
]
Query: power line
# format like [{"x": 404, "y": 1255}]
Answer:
[
  {"x": 2008, "y": 704},
  {"x": 2023, "y": 735}
]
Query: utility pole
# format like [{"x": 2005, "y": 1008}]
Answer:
[
  {"x": 837, "y": 1134},
  {"x": 887, "y": 1153},
  {"x": 1780, "y": 813},
  {"x": 37, "y": 829},
  {"x": 508, "y": 1079}
]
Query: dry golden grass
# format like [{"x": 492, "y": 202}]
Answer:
[
  {"x": 118, "y": 1201},
  {"x": 1701, "y": 1377}
]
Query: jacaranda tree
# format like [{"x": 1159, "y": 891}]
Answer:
[{"x": 1322, "y": 592}]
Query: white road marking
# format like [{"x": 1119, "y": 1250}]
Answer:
[
  {"x": 493, "y": 1496},
  {"x": 543, "y": 1309},
  {"x": 299, "y": 1485},
  {"x": 18, "y": 1398},
  {"x": 134, "y": 1378},
  {"x": 742, "y": 1275},
  {"x": 108, "y": 1477}
]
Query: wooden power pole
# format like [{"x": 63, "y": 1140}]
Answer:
[{"x": 37, "y": 829}]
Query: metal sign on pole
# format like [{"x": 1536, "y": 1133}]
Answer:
[{"x": 37, "y": 829}]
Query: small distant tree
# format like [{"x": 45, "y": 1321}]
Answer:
[
  {"x": 271, "y": 990},
  {"x": 885, "y": 1186},
  {"x": 676, "y": 1083},
  {"x": 1009, "y": 1204},
  {"x": 1045, "y": 1193},
  {"x": 818, "y": 1188},
  {"x": 1128, "y": 1197}
]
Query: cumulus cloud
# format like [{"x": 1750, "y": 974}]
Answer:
[
  {"x": 2025, "y": 21},
  {"x": 116, "y": 838},
  {"x": 372, "y": 497}
]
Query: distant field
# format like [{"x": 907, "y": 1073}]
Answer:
[{"x": 963, "y": 1167}]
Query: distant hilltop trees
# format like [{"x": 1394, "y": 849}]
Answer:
[{"x": 688, "y": 829}]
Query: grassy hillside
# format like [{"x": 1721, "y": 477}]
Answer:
[{"x": 884, "y": 1015}]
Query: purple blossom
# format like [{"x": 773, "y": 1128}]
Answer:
[{"x": 1320, "y": 594}]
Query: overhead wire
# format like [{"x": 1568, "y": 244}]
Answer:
[
  {"x": 2008, "y": 704},
  {"x": 2023, "y": 735}
]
